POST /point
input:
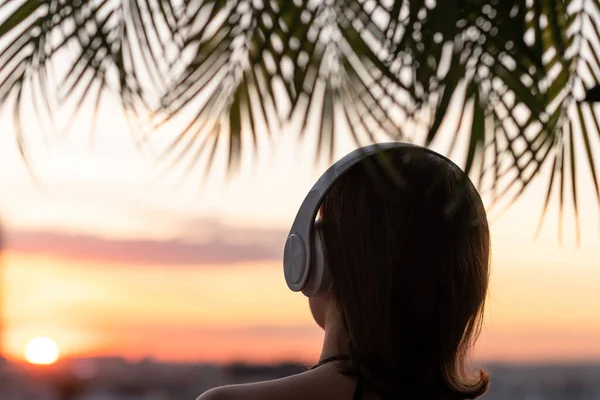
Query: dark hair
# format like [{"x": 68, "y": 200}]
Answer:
[{"x": 409, "y": 255}]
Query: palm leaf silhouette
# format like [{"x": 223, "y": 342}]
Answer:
[{"x": 523, "y": 75}]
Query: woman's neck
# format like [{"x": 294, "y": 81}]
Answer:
[{"x": 335, "y": 341}]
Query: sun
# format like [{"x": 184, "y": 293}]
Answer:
[{"x": 42, "y": 351}]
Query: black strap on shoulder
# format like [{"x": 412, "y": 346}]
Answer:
[
  {"x": 331, "y": 359},
  {"x": 358, "y": 392}
]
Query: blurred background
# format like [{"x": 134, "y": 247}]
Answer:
[
  {"x": 122, "y": 281},
  {"x": 130, "y": 277}
]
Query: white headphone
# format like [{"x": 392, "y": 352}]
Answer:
[{"x": 304, "y": 262}]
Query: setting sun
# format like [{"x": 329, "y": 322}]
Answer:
[{"x": 42, "y": 350}]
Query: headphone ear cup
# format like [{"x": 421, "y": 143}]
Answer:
[{"x": 320, "y": 280}]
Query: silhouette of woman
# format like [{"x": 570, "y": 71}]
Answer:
[{"x": 401, "y": 259}]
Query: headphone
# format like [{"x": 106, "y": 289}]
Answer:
[{"x": 304, "y": 262}]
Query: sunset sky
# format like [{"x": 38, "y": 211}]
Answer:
[{"x": 107, "y": 260}]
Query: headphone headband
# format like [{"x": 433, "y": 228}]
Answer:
[{"x": 299, "y": 250}]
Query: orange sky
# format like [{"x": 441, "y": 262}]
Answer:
[
  {"x": 226, "y": 312},
  {"x": 107, "y": 261}
]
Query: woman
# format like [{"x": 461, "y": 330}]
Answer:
[{"x": 408, "y": 252}]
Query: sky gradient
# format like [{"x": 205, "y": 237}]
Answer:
[{"x": 107, "y": 260}]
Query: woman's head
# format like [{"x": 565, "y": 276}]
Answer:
[{"x": 408, "y": 249}]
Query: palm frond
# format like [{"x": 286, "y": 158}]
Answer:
[{"x": 523, "y": 75}]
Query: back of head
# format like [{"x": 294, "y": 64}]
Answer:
[{"x": 408, "y": 250}]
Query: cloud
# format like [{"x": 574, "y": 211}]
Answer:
[
  {"x": 212, "y": 244},
  {"x": 191, "y": 329}
]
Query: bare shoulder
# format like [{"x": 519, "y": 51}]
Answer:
[
  {"x": 219, "y": 393},
  {"x": 306, "y": 385},
  {"x": 284, "y": 388}
]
